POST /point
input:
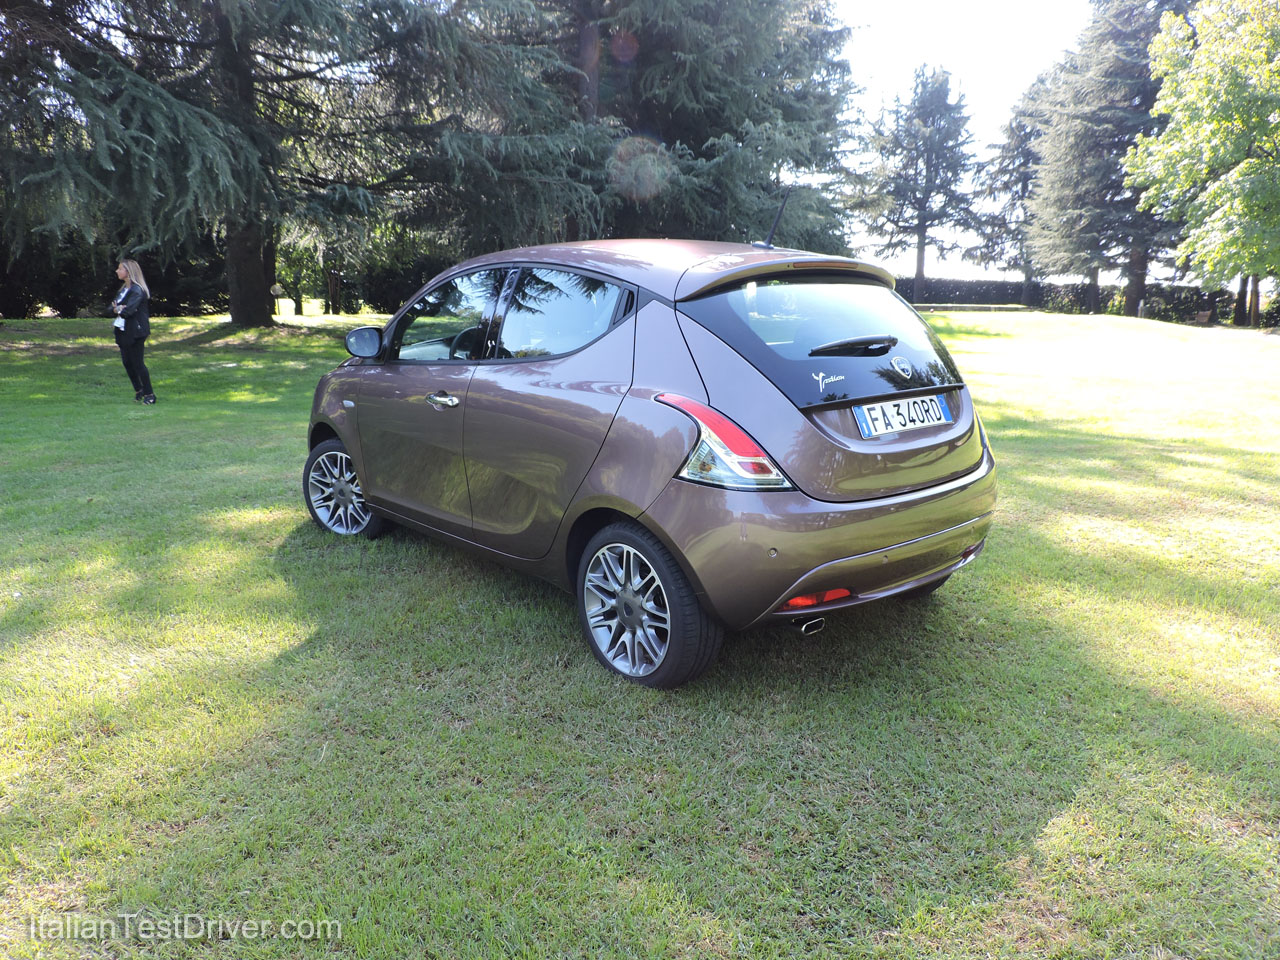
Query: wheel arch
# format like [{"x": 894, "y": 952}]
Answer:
[
  {"x": 584, "y": 527},
  {"x": 320, "y": 432},
  {"x": 592, "y": 521}
]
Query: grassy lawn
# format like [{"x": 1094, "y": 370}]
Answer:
[{"x": 209, "y": 708}]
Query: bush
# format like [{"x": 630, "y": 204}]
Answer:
[
  {"x": 1169, "y": 302},
  {"x": 73, "y": 276},
  {"x": 67, "y": 276},
  {"x": 964, "y": 291},
  {"x": 194, "y": 283},
  {"x": 386, "y": 286},
  {"x": 1181, "y": 304}
]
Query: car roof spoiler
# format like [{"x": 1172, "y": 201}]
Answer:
[{"x": 717, "y": 272}]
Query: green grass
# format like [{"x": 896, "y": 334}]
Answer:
[{"x": 207, "y": 707}]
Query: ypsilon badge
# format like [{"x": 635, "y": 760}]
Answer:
[{"x": 823, "y": 380}]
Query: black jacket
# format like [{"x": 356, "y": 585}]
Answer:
[{"x": 137, "y": 316}]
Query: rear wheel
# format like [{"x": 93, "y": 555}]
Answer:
[
  {"x": 639, "y": 612},
  {"x": 333, "y": 493}
]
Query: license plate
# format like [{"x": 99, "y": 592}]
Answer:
[{"x": 899, "y": 416}]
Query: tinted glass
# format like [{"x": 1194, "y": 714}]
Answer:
[
  {"x": 446, "y": 322},
  {"x": 827, "y": 340},
  {"x": 554, "y": 312}
]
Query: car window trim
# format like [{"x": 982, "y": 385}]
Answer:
[
  {"x": 486, "y": 323},
  {"x": 625, "y": 308}
]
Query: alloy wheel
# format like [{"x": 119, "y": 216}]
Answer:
[
  {"x": 626, "y": 610},
  {"x": 335, "y": 494}
]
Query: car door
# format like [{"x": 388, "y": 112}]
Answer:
[
  {"x": 539, "y": 410},
  {"x": 413, "y": 403}
]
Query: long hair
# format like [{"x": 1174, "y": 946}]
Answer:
[{"x": 135, "y": 276}]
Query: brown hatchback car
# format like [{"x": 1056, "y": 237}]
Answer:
[{"x": 689, "y": 436}]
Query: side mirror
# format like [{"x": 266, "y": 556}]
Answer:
[{"x": 365, "y": 342}]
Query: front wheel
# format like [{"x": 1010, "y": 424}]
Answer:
[
  {"x": 639, "y": 612},
  {"x": 333, "y": 494}
]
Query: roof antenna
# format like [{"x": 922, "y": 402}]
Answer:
[{"x": 767, "y": 242}]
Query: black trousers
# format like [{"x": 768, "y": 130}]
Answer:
[{"x": 131, "y": 357}]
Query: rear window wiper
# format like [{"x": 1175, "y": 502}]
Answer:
[{"x": 856, "y": 347}]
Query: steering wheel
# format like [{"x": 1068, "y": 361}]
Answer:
[{"x": 462, "y": 345}]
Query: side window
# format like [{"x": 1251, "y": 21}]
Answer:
[
  {"x": 553, "y": 312},
  {"x": 447, "y": 323}
]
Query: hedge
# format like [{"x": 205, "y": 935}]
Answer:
[{"x": 1162, "y": 302}]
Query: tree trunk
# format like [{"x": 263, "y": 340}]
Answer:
[
  {"x": 1135, "y": 288},
  {"x": 1027, "y": 289},
  {"x": 1092, "y": 295},
  {"x": 334, "y": 283},
  {"x": 919, "y": 290},
  {"x": 247, "y": 283},
  {"x": 246, "y": 279},
  {"x": 1255, "y": 303},
  {"x": 588, "y": 62},
  {"x": 1240, "y": 314},
  {"x": 269, "y": 263},
  {"x": 292, "y": 286}
]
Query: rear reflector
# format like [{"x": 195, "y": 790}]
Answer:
[{"x": 814, "y": 599}]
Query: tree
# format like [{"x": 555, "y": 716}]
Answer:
[
  {"x": 1092, "y": 109},
  {"x": 1008, "y": 180},
  {"x": 926, "y": 164},
  {"x": 148, "y": 122},
  {"x": 1216, "y": 163},
  {"x": 713, "y": 105}
]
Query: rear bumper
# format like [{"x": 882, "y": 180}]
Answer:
[{"x": 748, "y": 553}]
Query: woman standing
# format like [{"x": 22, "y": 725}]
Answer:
[{"x": 133, "y": 326}]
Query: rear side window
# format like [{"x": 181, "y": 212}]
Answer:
[
  {"x": 826, "y": 340},
  {"x": 553, "y": 312},
  {"x": 446, "y": 323}
]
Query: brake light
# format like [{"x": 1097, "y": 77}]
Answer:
[
  {"x": 806, "y": 600},
  {"x": 725, "y": 455}
]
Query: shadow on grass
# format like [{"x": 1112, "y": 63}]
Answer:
[{"x": 450, "y": 770}]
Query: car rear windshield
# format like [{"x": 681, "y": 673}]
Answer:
[{"x": 827, "y": 340}]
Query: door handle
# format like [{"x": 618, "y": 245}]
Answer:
[{"x": 442, "y": 399}]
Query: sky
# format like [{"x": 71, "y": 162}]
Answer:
[{"x": 993, "y": 50}]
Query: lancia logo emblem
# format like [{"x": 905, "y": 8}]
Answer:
[{"x": 903, "y": 366}]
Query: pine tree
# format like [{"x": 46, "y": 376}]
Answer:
[
  {"x": 1007, "y": 180},
  {"x": 712, "y": 106},
  {"x": 1095, "y": 105},
  {"x": 149, "y": 121},
  {"x": 926, "y": 165}
]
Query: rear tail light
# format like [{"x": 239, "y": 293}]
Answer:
[
  {"x": 725, "y": 456},
  {"x": 806, "y": 600}
]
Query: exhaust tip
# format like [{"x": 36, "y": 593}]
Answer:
[{"x": 809, "y": 627}]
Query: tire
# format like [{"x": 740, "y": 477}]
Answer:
[
  {"x": 333, "y": 494},
  {"x": 920, "y": 593},
  {"x": 639, "y": 613}
]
